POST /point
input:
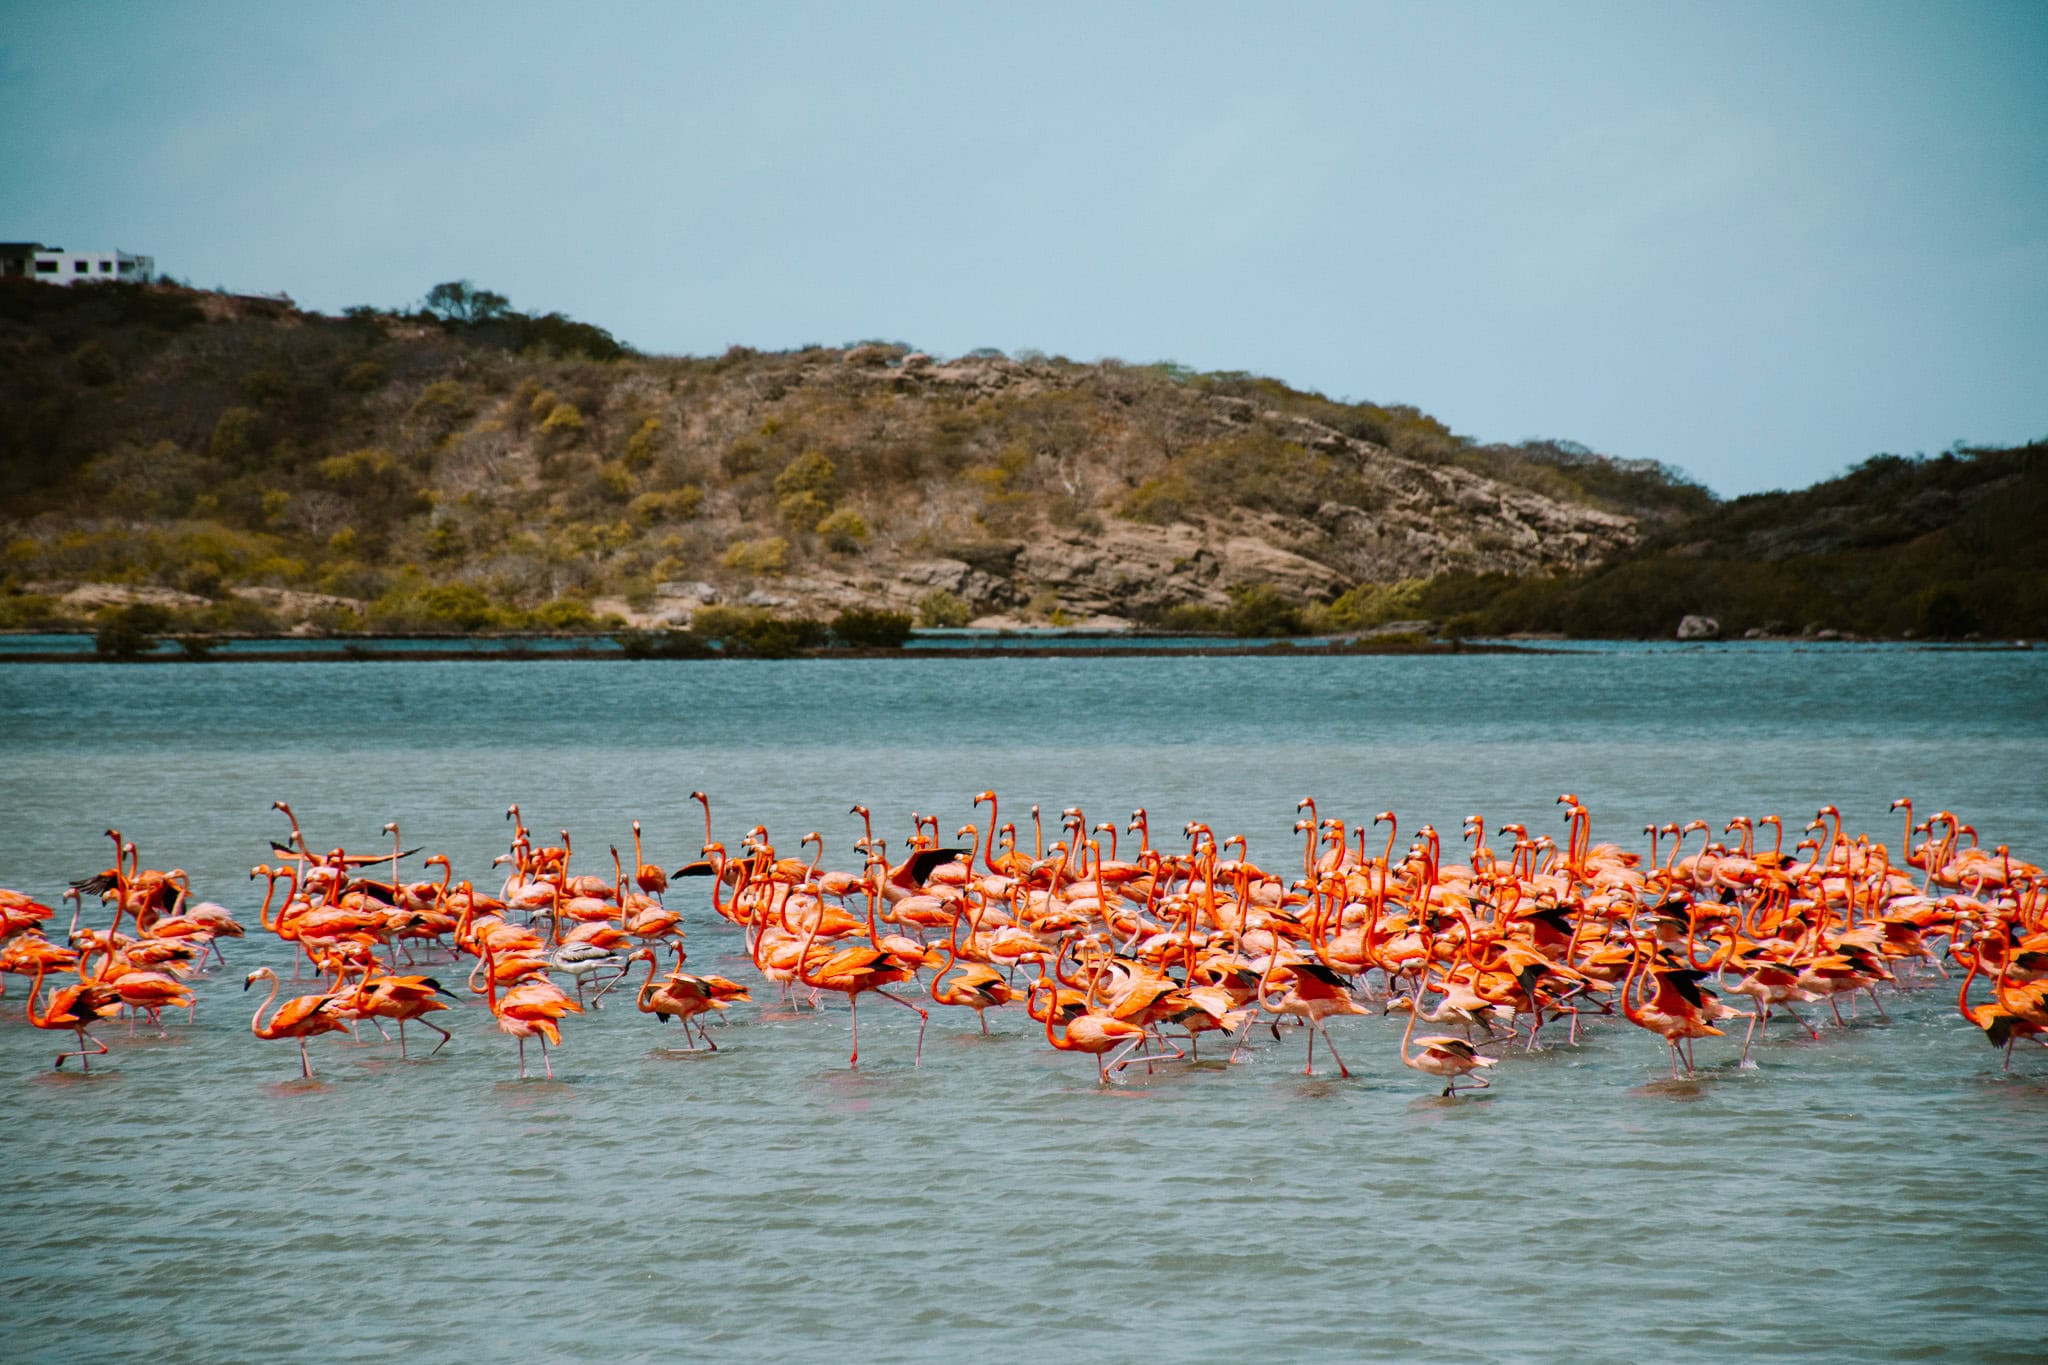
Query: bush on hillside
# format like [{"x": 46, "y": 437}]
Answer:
[{"x": 865, "y": 629}]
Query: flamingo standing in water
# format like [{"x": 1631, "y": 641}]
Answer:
[
  {"x": 977, "y": 987},
  {"x": 532, "y": 1008},
  {"x": 1440, "y": 1054},
  {"x": 402, "y": 998},
  {"x": 861, "y": 969},
  {"x": 1087, "y": 1031},
  {"x": 301, "y": 1017},
  {"x": 1317, "y": 993},
  {"x": 647, "y": 876},
  {"x": 684, "y": 996},
  {"x": 74, "y": 1008}
]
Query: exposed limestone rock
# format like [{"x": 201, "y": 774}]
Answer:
[
  {"x": 1699, "y": 628},
  {"x": 292, "y": 605},
  {"x": 90, "y": 597}
]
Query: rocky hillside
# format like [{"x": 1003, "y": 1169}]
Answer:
[{"x": 259, "y": 467}]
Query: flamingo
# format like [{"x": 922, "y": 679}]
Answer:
[
  {"x": 1440, "y": 1054},
  {"x": 301, "y": 1017},
  {"x": 74, "y": 1008},
  {"x": 859, "y": 970},
  {"x": 1096, "y": 1034}
]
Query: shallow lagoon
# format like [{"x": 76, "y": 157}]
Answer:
[{"x": 1848, "y": 1199}]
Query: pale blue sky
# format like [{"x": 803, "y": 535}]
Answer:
[{"x": 1758, "y": 241}]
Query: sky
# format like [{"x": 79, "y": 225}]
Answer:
[{"x": 1757, "y": 241}]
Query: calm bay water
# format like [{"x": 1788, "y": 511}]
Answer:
[{"x": 1853, "y": 1198}]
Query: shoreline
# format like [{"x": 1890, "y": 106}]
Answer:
[{"x": 367, "y": 651}]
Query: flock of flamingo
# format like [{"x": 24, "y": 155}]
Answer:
[{"x": 1130, "y": 960}]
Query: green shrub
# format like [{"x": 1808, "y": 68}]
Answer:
[
  {"x": 237, "y": 616},
  {"x": 802, "y": 511},
  {"x": 844, "y": 530},
  {"x": 126, "y": 632},
  {"x": 1941, "y": 613},
  {"x": 444, "y": 607},
  {"x": 811, "y": 472},
  {"x": 1191, "y": 618},
  {"x": 1260, "y": 609},
  {"x": 640, "y": 445},
  {"x": 563, "y": 417},
  {"x": 749, "y": 633},
  {"x": 866, "y": 629},
  {"x": 775, "y": 637},
  {"x": 939, "y": 608},
  {"x": 564, "y": 613},
  {"x": 768, "y": 555},
  {"x": 359, "y": 472},
  {"x": 1373, "y": 604},
  {"x": 362, "y": 377},
  {"x": 233, "y": 442},
  {"x": 1157, "y": 501},
  {"x": 28, "y": 611},
  {"x": 663, "y": 644}
]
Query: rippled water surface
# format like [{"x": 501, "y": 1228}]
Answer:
[{"x": 1875, "y": 1195}]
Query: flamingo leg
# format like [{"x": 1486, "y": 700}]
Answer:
[
  {"x": 305, "y": 1062},
  {"x": 1310, "y": 1069},
  {"x": 924, "y": 1017},
  {"x": 853, "y": 1003},
  {"x": 446, "y": 1036},
  {"x": 522, "y": 1059},
  {"x": 1121, "y": 1059},
  {"x": 1802, "y": 1022},
  {"x": 84, "y": 1054},
  {"x": 1237, "y": 1040},
  {"x": 1342, "y": 1070},
  {"x": 545, "y": 1060}
]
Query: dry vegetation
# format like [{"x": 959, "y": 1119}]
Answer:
[{"x": 248, "y": 467}]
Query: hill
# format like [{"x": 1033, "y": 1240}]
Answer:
[
  {"x": 249, "y": 466},
  {"x": 1947, "y": 547}
]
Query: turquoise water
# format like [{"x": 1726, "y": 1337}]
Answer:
[
  {"x": 1850, "y": 1199},
  {"x": 73, "y": 643}
]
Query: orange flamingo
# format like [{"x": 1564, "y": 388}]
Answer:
[
  {"x": 301, "y": 1017},
  {"x": 74, "y": 1008},
  {"x": 858, "y": 970},
  {"x": 1087, "y": 1031}
]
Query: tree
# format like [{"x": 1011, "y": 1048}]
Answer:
[
  {"x": 128, "y": 632},
  {"x": 460, "y": 301}
]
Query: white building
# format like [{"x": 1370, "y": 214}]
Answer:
[{"x": 55, "y": 265}]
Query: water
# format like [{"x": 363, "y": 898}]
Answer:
[
  {"x": 1870, "y": 1196},
  {"x": 943, "y": 639}
]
